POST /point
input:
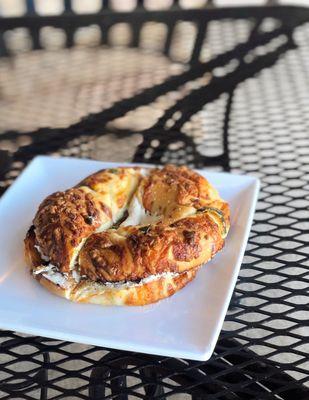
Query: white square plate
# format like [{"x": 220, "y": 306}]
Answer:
[{"x": 186, "y": 325}]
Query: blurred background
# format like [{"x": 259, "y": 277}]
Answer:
[{"x": 86, "y": 65}]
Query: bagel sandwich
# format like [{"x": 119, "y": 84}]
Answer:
[{"x": 126, "y": 235}]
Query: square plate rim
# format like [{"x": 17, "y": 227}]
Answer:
[{"x": 200, "y": 354}]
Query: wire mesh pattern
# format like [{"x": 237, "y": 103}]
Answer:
[
  {"x": 56, "y": 7},
  {"x": 239, "y": 102}
]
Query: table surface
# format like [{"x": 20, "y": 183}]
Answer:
[{"x": 242, "y": 106}]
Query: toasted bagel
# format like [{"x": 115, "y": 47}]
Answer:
[
  {"x": 126, "y": 235},
  {"x": 138, "y": 294}
]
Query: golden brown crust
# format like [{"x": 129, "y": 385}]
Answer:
[
  {"x": 96, "y": 293},
  {"x": 32, "y": 256},
  {"x": 133, "y": 253},
  {"x": 65, "y": 219},
  {"x": 176, "y": 191},
  {"x": 179, "y": 242},
  {"x": 72, "y": 227}
]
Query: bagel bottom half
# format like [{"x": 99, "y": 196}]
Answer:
[
  {"x": 135, "y": 295},
  {"x": 86, "y": 291}
]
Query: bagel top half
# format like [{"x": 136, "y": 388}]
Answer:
[
  {"x": 128, "y": 224},
  {"x": 65, "y": 219}
]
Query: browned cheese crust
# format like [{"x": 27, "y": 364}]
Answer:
[
  {"x": 190, "y": 233},
  {"x": 64, "y": 219},
  {"x": 173, "y": 191},
  {"x": 75, "y": 230},
  {"x": 134, "y": 253},
  {"x": 89, "y": 292}
]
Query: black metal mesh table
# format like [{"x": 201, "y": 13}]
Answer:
[{"x": 223, "y": 88}]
